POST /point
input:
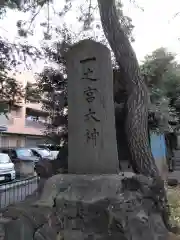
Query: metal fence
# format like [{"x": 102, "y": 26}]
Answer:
[{"x": 17, "y": 191}]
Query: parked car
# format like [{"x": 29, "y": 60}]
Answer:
[
  {"x": 54, "y": 149},
  {"x": 20, "y": 154},
  {"x": 7, "y": 171},
  {"x": 23, "y": 159},
  {"x": 42, "y": 153}
]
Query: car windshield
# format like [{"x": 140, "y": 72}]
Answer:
[
  {"x": 50, "y": 147},
  {"x": 24, "y": 152},
  {"x": 4, "y": 158},
  {"x": 43, "y": 152}
]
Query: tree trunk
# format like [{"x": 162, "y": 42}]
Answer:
[{"x": 137, "y": 103}]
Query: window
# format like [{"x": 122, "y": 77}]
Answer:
[
  {"x": 32, "y": 118},
  {"x": 16, "y": 112},
  {"x": 18, "y": 143},
  {"x": 5, "y": 141},
  {"x": 24, "y": 152},
  {"x": 10, "y": 152},
  {"x": 50, "y": 147},
  {"x": 5, "y": 151},
  {"x": 4, "y": 158},
  {"x": 36, "y": 154},
  {"x": 43, "y": 152},
  {"x": 13, "y": 154}
]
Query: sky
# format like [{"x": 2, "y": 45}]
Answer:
[{"x": 156, "y": 26}]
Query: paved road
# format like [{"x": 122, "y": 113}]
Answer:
[{"x": 16, "y": 191}]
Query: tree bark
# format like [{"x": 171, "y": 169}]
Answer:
[{"x": 137, "y": 102}]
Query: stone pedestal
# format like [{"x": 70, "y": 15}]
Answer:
[
  {"x": 91, "y": 120},
  {"x": 24, "y": 168},
  {"x": 88, "y": 207}
]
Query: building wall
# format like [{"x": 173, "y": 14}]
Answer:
[
  {"x": 17, "y": 122},
  {"x": 12, "y": 140},
  {"x": 31, "y": 141},
  {"x": 20, "y": 140},
  {"x": 3, "y": 120},
  {"x": 18, "y": 125}
]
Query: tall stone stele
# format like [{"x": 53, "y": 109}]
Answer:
[{"x": 92, "y": 145}]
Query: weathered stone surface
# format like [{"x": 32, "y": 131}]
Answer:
[
  {"x": 37, "y": 216},
  {"x": 90, "y": 207},
  {"x": 59, "y": 184},
  {"x": 20, "y": 228},
  {"x": 91, "y": 120},
  {"x": 46, "y": 232},
  {"x": 3, "y": 223}
]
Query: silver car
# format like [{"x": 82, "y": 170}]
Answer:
[
  {"x": 42, "y": 153},
  {"x": 7, "y": 171}
]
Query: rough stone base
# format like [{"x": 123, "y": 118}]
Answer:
[{"x": 78, "y": 207}]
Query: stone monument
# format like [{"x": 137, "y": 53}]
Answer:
[
  {"x": 92, "y": 145},
  {"x": 95, "y": 205}
]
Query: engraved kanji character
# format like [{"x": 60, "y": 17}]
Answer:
[
  {"x": 90, "y": 94},
  {"x": 91, "y": 115},
  {"x": 92, "y": 136}
]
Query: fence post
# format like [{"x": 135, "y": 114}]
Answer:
[{"x": 17, "y": 191}]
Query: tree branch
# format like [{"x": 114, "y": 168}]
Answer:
[
  {"x": 137, "y": 103},
  {"x": 34, "y": 17}
]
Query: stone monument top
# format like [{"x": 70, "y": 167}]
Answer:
[{"x": 92, "y": 145}]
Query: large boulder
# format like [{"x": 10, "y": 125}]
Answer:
[{"x": 78, "y": 207}]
